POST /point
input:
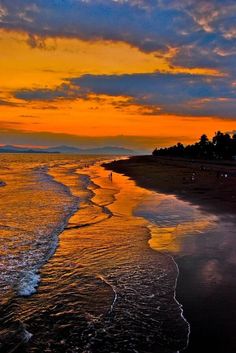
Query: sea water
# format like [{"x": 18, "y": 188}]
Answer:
[{"x": 88, "y": 262}]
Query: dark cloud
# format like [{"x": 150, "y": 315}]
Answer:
[
  {"x": 40, "y": 94},
  {"x": 35, "y": 41},
  {"x": 182, "y": 94},
  {"x": 202, "y": 32},
  {"x": 157, "y": 93},
  {"x": 7, "y": 103},
  {"x": 149, "y": 25},
  {"x": 140, "y": 23}
]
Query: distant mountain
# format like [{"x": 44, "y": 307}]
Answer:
[
  {"x": 107, "y": 150},
  {"x": 64, "y": 149},
  {"x": 9, "y": 148},
  {"x": 98, "y": 150},
  {"x": 18, "y": 149}
]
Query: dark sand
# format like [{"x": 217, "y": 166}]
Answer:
[
  {"x": 211, "y": 314},
  {"x": 209, "y": 189}
]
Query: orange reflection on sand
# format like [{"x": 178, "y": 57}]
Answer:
[
  {"x": 122, "y": 196},
  {"x": 170, "y": 238},
  {"x": 127, "y": 194}
]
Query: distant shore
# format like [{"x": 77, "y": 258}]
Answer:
[{"x": 209, "y": 184}]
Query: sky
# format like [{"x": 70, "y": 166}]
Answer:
[{"x": 130, "y": 73}]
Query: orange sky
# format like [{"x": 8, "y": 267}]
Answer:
[{"x": 56, "y": 60}]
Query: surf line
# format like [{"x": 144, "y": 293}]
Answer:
[
  {"x": 149, "y": 227},
  {"x": 115, "y": 294}
]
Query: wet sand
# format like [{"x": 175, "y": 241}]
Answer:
[
  {"x": 206, "y": 284},
  {"x": 209, "y": 188}
]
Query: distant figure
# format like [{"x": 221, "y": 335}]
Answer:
[{"x": 110, "y": 176}]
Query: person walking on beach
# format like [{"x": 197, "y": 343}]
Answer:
[{"x": 110, "y": 176}]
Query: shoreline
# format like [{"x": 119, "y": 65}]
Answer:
[
  {"x": 211, "y": 312},
  {"x": 209, "y": 189}
]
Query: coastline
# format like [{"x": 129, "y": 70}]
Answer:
[
  {"x": 109, "y": 256},
  {"x": 210, "y": 189},
  {"x": 211, "y": 311}
]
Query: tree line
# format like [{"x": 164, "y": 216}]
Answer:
[{"x": 222, "y": 146}]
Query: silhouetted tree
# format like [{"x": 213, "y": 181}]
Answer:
[
  {"x": 222, "y": 146},
  {"x": 204, "y": 140},
  {"x": 222, "y": 143}
]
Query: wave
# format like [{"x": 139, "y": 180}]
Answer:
[
  {"x": 109, "y": 279},
  {"x": 31, "y": 237},
  {"x": 30, "y": 278},
  {"x": 115, "y": 296}
]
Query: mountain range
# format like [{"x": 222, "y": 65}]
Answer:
[{"x": 106, "y": 150}]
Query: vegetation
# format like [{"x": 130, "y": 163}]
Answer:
[{"x": 222, "y": 146}]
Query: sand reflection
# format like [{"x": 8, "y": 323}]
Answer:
[{"x": 171, "y": 221}]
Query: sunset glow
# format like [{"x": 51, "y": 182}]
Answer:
[
  {"x": 118, "y": 176},
  {"x": 65, "y": 78}
]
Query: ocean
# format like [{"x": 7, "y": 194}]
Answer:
[{"x": 89, "y": 262}]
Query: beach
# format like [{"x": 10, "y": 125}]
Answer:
[
  {"x": 206, "y": 283},
  {"x": 92, "y": 262},
  {"x": 210, "y": 184},
  {"x": 78, "y": 274}
]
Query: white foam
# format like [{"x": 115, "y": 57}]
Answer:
[
  {"x": 113, "y": 289},
  {"x": 28, "y": 283},
  {"x": 27, "y": 336}
]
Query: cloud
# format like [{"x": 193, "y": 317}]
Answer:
[
  {"x": 4, "y": 102},
  {"x": 200, "y": 34},
  {"x": 35, "y": 41},
  {"x": 5, "y": 125},
  {"x": 149, "y": 25},
  {"x": 140, "y": 23},
  {"x": 157, "y": 93},
  {"x": 46, "y": 94}
]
